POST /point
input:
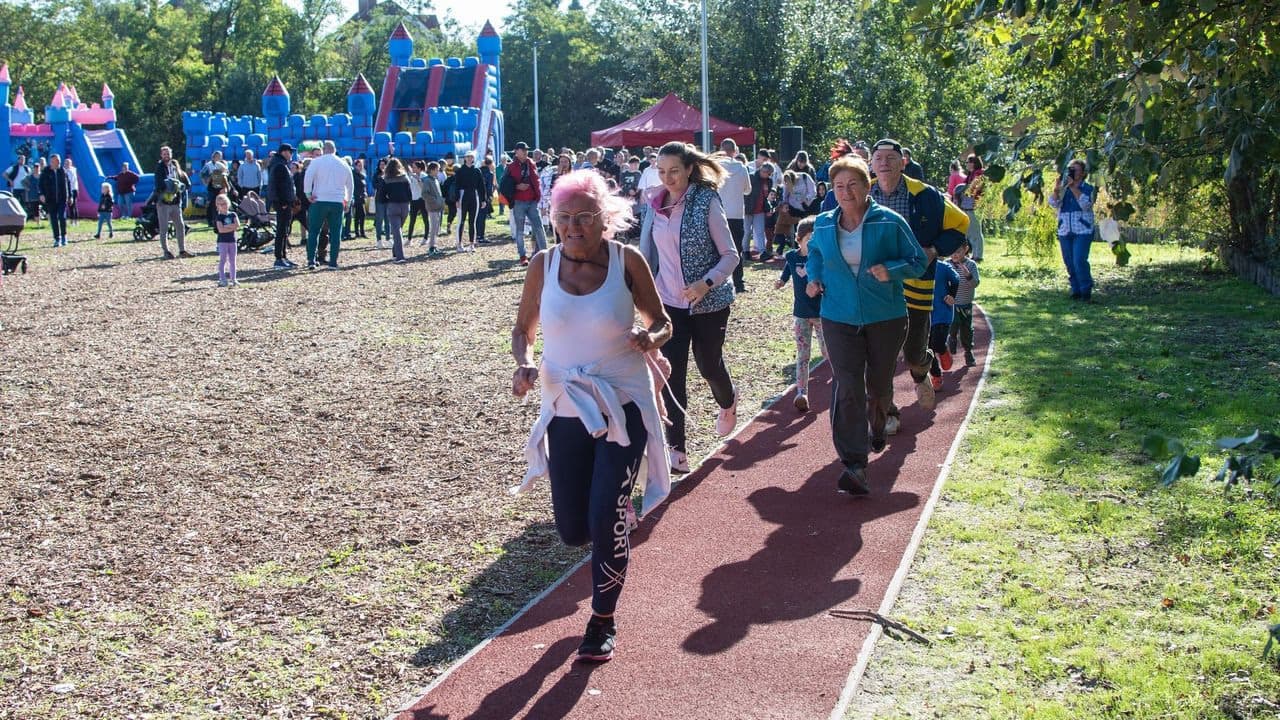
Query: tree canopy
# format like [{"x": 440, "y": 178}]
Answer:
[{"x": 1170, "y": 100}]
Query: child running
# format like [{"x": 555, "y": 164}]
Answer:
[
  {"x": 962, "y": 325},
  {"x": 946, "y": 283},
  {"x": 805, "y": 309},
  {"x": 105, "y": 206},
  {"x": 227, "y": 224}
]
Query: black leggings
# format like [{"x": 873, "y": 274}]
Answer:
[
  {"x": 938, "y": 344},
  {"x": 591, "y": 482},
  {"x": 705, "y": 333},
  {"x": 481, "y": 217},
  {"x": 470, "y": 203},
  {"x": 417, "y": 209}
]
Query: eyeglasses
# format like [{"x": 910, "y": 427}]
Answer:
[{"x": 584, "y": 219}]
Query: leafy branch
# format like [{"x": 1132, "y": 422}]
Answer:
[{"x": 1246, "y": 459}]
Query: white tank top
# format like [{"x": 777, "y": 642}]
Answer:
[{"x": 578, "y": 330}]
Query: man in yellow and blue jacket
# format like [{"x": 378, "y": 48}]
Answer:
[{"x": 940, "y": 228}]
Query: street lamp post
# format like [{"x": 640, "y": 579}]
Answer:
[
  {"x": 706, "y": 113},
  {"x": 537, "y": 128}
]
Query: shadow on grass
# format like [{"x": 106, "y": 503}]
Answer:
[
  {"x": 496, "y": 268},
  {"x": 528, "y": 564},
  {"x": 95, "y": 266},
  {"x": 1172, "y": 347}
]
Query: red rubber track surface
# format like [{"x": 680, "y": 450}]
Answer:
[{"x": 727, "y": 607}]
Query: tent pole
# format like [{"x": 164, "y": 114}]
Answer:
[
  {"x": 706, "y": 111},
  {"x": 537, "y": 126}
]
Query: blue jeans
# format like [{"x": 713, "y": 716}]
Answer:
[
  {"x": 125, "y": 203},
  {"x": 318, "y": 214},
  {"x": 104, "y": 218},
  {"x": 58, "y": 222},
  {"x": 1075, "y": 255},
  {"x": 755, "y": 238},
  {"x": 381, "y": 226},
  {"x": 527, "y": 211}
]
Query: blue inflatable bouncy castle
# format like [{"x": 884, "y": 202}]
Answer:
[
  {"x": 85, "y": 133},
  {"x": 429, "y": 109}
]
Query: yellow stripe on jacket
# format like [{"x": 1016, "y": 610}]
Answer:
[{"x": 918, "y": 293}]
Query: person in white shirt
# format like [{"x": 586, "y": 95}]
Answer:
[
  {"x": 329, "y": 186},
  {"x": 733, "y": 193},
  {"x": 73, "y": 177}
]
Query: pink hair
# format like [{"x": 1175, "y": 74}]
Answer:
[{"x": 588, "y": 183}]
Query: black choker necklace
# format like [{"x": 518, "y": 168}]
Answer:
[{"x": 582, "y": 261}]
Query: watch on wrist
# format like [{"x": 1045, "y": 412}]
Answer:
[{"x": 709, "y": 283}]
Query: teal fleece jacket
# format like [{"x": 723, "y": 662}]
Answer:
[{"x": 862, "y": 299}]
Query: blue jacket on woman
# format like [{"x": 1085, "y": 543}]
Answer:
[{"x": 862, "y": 299}]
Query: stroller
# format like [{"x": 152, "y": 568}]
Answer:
[
  {"x": 12, "y": 219},
  {"x": 259, "y": 225},
  {"x": 148, "y": 225}
]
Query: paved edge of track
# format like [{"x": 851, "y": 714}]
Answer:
[{"x": 908, "y": 557}]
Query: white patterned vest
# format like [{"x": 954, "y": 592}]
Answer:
[{"x": 698, "y": 253}]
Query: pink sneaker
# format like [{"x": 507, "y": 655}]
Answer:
[{"x": 727, "y": 418}]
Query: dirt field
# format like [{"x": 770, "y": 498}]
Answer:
[{"x": 284, "y": 500}]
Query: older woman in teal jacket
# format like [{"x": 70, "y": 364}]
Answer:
[{"x": 858, "y": 257}]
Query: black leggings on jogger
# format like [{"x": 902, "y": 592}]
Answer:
[
  {"x": 705, "y": 333},
  {"x": 591, "y": 482}
]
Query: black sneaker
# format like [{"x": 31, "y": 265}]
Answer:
[
  {"x": 854, "y": 481},
  {"x": 877, "y": 443},
  {"x": 168, "y": 255},
  {"x": 598, "y": 641},
  {"x": 969, "y": 360}
]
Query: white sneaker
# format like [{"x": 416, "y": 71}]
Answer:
[
  {"x": 802, "y": 402},
  {"x": 678, "y": 460},
  {"x": 728, "y": 417},
  {"x": 925, "y": 395},
  {"x": 891, "y": 424}
]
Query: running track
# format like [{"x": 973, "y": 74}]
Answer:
[{"x": 728, "y": 608}]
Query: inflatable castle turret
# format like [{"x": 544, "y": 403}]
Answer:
[
  {"x": 400, "y": 46},
  {"x": 490, "y": 46},
  {"x": 85, "y": 134},
  {"x": 428, "y": 109}
]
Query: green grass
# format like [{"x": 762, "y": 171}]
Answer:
[{"x": 1074, "y": 586}]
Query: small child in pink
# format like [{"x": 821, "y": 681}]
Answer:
[{"x": 227, "y": 223}]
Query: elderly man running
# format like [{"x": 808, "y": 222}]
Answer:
[
  {"x": 939, "y": 228},
  {"x": 329, "y": 186}
]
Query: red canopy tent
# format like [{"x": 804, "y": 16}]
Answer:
[{"x": 669, "y": 119}]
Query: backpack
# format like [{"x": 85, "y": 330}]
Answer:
[
  {"x": 173, "y": 188},
  {"x": 217, "y": 179}
]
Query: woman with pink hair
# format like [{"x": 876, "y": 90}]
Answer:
[{"x": 599, "y": 414}]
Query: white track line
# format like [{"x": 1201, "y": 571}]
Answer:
[
  {"x": 406, "y": 706},
  {"x": 899, "y": 577}
]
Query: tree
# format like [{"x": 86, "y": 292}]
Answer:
[{"x": 1166, "y": 94}]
